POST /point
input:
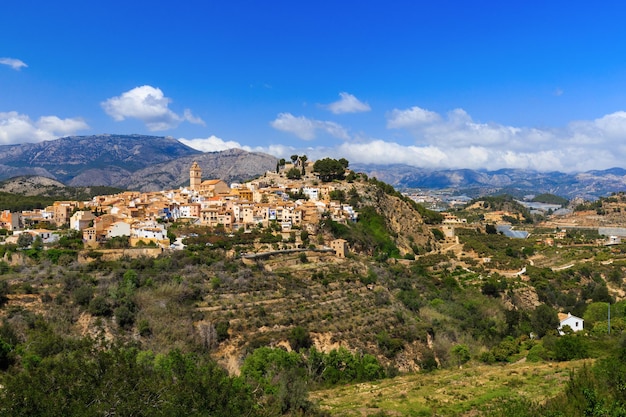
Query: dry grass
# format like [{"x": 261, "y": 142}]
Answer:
[{"x": 461, "y": 392}]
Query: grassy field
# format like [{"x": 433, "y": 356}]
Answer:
[{"x": 460, "y": 392}]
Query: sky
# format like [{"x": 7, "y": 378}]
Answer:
[{"x": 437, "y": 84}]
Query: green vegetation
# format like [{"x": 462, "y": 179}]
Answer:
[
  {"x": 604, "y": 205},
  {"x": 595, "y": 390},
  {"x": 294, "y": 174},
  {"x": 306, "y": 327},
  {"x": 17, "y": 202},
  {"x": 330, "y": 169},
  {"x": 86, "y": 379},
  {"x": 550, "y": 199},
  {"x": 370, "y": 234},
  {"x": 475, "y": 209}
]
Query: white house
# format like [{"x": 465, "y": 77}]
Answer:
[
  {"x": 117, "y": 229},
  {"x": 81, "y": 219},
  {"x": 311, "y": 193},
  {"x": 575, "y": 323},
  {"x": 149, "y": 231}
]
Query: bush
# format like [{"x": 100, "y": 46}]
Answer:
[
  {"x": 487, "y": 357},
  {"x": 461, "y": 353},
  {"x": 4, "y": 291},
  {"x": 537, "y": 353},
  {"x": 221, "y": 329},
  {"x": 83, "y": 295},
  {"x": 6, "y": 355},
  {"x": 505, "y": 349},
  {"x": 428, "y": 362},
  {"x": 569, "y": 347},
  {"x": 299, "y": 338},
  {"x": 99, "y": 306},
  {"x": 124, "y": 317},
  {"x": 144, "y": 328},
  {"x": 303, "y": 258},
  {"x": 390, "y": 346}
]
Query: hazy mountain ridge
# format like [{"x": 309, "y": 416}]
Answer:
[
  {"x": 149, "y": 163},
  {"x": 126, "y": 161},
  {"x": 230, "y": 165},
  {"x": 591, "y": 184}
]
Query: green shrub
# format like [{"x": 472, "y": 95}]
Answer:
[
  {"x": 569, "y": 347},
  {"x": 99, "y": 306},
  {"x": 537, "y": 353},
  {"x": 390, "y": 346},
  {"x": 144, "y": 328},
  {"x": 124, "y": 317},
  {"x": 83, "y": 295},
  {"x": 299, "y": 338}
]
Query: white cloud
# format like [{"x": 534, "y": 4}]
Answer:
[
  {"x": 19, "y": 128},
  {"x": 211, "y": 144},
  {"x": 455, "y": 140},
  {"x": 16, "y": 64},
  {"x": 582, "y": 145},
  {"x": 216, "y": 144},
  {"x": 306, "y": 128},
  {"x": 415, "y": 116},
  {"x": 148, "y": 104},
  {"x": 348, "y": 104}
]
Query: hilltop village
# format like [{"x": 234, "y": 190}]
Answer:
[{"x": 143, "y": 216}]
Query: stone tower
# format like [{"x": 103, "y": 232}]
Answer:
[{"x": 195, "y": 176}]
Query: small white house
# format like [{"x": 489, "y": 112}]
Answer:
[
  {"x": 118, "y": 229},
  {"x": 575, "y": 323}
]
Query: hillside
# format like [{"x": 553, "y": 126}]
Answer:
[{"x": 287, "y": 315}]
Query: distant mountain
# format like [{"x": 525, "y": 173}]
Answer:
[
  {"x": 149, "y": 163},
  {"x": 589, "y": 185},
  {"x": 126, "y": 161},
  {"x": 230, "y": 165}
]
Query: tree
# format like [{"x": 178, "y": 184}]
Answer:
[
  {"x": 124, "y": 381},
  {"x": 294, "y": 158},
  {"x": 339, "y": 195},
  {"x": 461, "y": 354},
  {"x": 569, "y": 347},
  {"x": 304, "y": 158},
  {"x": 4, "y": 291},
  {"x": 24, "y": 240},
  {"x": 329, "y": 169},
  {"x": 544, "y": 319},
  {"x": 294, "y": 174},
  {"x": 37, "y": 243},
  {"x": 299, "y": 338}
]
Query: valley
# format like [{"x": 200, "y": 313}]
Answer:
[{"x": 424, "y": 314}]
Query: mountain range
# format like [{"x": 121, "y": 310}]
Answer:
[
  {"x": 149, "y": 163},
  {"x": 518, "y": 182},
  {"x": 137, "y": 162}
]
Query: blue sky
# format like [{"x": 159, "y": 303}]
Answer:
[{"x": 443, "y": 84}]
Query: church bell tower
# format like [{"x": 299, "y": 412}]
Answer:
[{"x": 195, "y": 176}]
